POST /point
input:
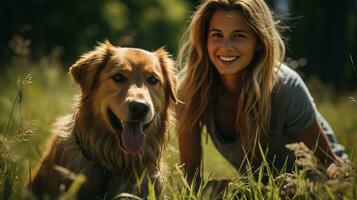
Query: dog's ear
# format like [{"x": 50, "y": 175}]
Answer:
[
  {"x": 169, "y": 70},
  {"x": 86, "y": 70}
]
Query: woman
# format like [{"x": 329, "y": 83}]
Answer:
[{"x": 233, "y": 83}]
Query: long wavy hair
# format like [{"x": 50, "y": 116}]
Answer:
[{"x": 198, "y": 78}]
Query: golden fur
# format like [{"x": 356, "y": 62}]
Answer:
[{"x": 91, "y": 141}]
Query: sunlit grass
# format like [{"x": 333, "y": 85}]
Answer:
[
  {"x": 51, "y": 94},
  {"x": 29, "y": 110}
]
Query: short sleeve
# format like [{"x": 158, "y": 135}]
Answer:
[{"x": 301, "y": 111}]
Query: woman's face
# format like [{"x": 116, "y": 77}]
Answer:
[{"x": 231, "y": 43}]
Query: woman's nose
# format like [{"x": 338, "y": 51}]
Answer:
[{"x": 227, "y": 43}]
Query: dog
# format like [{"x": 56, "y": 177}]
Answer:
[{"x": 119, "y": 126}]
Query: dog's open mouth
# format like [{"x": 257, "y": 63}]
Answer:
[{"x": 131, "y": 134}]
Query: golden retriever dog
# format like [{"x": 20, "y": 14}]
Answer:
[{"x": 119, "y": 126}]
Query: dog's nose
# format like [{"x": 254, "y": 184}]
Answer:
[{"x": 138, "y": 109}]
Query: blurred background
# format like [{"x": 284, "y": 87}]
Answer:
[
  {"x": 322, "y": 35},
  {"x": 44, "y": 37}
]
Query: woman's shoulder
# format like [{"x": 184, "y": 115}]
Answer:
[
  {"x": 290, "y": 91},
  {"x": 292, "y": 102},
  {"x": 288, "y": 81},
  {"x": 288, "y": 76}
]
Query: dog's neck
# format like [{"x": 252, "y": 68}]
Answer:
[{"x": 84, "y": 151}]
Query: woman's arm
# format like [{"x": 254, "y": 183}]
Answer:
[
  {"x": 313, "y": 135},
  {"x": 190, "y": 151}
]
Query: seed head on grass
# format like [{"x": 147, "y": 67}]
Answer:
[
  {"x": 314, "y": 180},
  {"x": 305, "y": 158},
  {"x": 9, "y": 167}
]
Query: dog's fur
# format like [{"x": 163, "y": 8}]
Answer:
[{"x": 92, "y": 141}]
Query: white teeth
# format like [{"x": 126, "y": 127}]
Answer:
[{"x": 228, "y": 58}]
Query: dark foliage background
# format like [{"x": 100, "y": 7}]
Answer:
[{"x": 321, "y": 37}]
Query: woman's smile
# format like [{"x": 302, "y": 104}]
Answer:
[{"x": 228, "y": 59}]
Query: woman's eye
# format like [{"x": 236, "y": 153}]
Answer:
[
  {"x": 119, "y": 78},
  {"x": 216, "y": 35},
  {"x": 239, "y": 36},
  {"x": 152, "y": 80}
]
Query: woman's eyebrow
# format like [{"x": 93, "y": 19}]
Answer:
[
  {"x": 241, "y": 31},
  {"x": 214, "y": 29},
  {"x": 235, "y": 31}
]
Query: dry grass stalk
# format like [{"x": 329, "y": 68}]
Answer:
[{"x": 314, "y": 180}]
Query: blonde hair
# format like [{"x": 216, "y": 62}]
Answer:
[{"x": 199, "y": 78}]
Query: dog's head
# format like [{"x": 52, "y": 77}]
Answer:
[{"x": 129, "y": 90}]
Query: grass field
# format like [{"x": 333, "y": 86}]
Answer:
[{"x": 29, "y": 106}]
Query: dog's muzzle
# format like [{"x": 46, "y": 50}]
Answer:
[
  {"x": 132, "y": 132},
  {"x": 138, "y": 110}
]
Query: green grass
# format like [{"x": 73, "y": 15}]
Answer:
[{"x": 28, "y": 111}]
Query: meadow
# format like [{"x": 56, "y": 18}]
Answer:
[{"x": 33, "y": 94}]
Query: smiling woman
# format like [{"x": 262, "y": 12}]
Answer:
[
  {"x": 231, "y": 44},
  {"x": 233, "y": 82}
]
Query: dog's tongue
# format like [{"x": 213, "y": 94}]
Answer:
[{"x": 133, "y": 137}]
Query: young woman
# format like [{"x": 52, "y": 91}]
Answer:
[{"x": 234, "y": 83}]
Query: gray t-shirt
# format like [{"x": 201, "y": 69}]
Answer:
[{"x": 293, "y": 110}]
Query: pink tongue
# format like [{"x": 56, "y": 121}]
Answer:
[{"x": 133, "y": 137}]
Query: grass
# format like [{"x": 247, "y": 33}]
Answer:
[{"x": 30, "y": 105}]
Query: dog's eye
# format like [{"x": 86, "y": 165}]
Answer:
[
  {"x": 119, "y": 78},
  {"x": 153, "y": 80}
]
